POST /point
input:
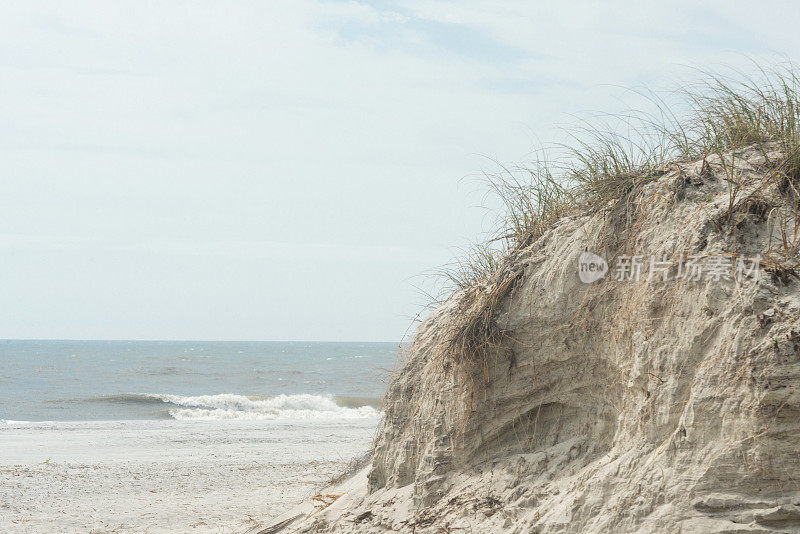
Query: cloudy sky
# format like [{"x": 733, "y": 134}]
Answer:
[{"x": 286, "y": 169}]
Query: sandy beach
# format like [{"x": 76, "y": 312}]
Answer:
[
  {"x": 166, "y": 476},
  {"x": 416, "y": 267}
]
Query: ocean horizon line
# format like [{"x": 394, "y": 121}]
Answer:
[{"x": 141, "y": 340}]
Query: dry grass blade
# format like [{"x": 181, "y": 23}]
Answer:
[
  {"x": 324, "y": 500},
  {"x": 605, "y": 164}
]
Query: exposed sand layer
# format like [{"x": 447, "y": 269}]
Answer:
[
  {"x": 166, "y": 476},
  {"x": 620, "y": 406}
]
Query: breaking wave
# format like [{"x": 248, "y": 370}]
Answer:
[{"x": 230, "y": 406}]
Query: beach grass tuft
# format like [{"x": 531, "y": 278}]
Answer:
[{"x": 716, "y": 115}]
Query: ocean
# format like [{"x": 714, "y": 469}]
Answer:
[
  {"x": 132, "y": 380},
  {"x": 178, "y": 436}
]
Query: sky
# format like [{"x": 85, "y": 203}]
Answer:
[{"x": 290, "y": 170}]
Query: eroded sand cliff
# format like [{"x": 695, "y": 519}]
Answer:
[{"x": 618, "y": 406}]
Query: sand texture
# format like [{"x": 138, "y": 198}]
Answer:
[
  {"x": 618, "y": 406},
  {"x": 165, "y": 476}
]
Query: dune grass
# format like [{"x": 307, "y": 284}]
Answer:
[{"x": 717, "y": 114}]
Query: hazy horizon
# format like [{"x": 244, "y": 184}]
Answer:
[
  {"x": 344, "y": 341},
  {"x": 286, "y": 170}
]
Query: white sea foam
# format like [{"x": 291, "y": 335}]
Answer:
[{"x": 229, "y": 406}]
